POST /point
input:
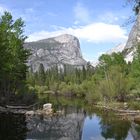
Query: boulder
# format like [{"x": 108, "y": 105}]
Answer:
[{"x": 47, "y": 106}]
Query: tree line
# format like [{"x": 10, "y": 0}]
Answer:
[
  {"x": 112, "y": 80},
  {"x": 13, "y": 58}
]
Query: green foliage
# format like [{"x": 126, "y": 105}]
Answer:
[
  {"x": 13, "y": 56},
  {"x": 109, "y": 81},
  {"x": 68, "y": 81},
  {"x": 112, "y": 80},
  {"x": 134, "y": 71},
  {"x": 113, "y": 71},
  {"x": 134, "y": 105},
  {"x": 41, "y": 73}
]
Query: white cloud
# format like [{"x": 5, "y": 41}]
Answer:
[
  {"x": 2, "y": 9},
  {"x": 95, "y": 32},
  {"x": 101, "y": 32},
  {"x": 81, "y": 14}
]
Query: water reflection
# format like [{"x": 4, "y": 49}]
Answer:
[
  {"x": 106, "y": 126},
  {"x": 63, "y": 127},
  {"x": 12, "y": 127},
  {"x": 111, "y": 127},
  {"x": 135, "y": 131},
  {"x": 74, "y": 124}
]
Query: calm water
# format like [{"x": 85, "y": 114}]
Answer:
[{"x": 75, "y": 123}]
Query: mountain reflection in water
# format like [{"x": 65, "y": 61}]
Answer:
[
  {"x": 64, "y": 127},
  {"x": 74, "y": 124}
]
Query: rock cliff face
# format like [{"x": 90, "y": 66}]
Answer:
[
  {"x": 128, "y": 52},
  {"x": 63, "y": 127},
  {"x": 118, "y": 48},
  {"x": 130, "y": 47},
  {"x": 133, "y": 40},
  {"x": 60, "y": 50},
  {"x": 134, "y": 36}
]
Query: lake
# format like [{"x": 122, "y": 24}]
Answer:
[{"x": 75, "y": 123}]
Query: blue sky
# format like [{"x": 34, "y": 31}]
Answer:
[{"x": 97, "y": 23}]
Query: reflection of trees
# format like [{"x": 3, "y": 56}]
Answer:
[
  {"x": 135, "y": 131},
  {"x": 68, "y": 126},
  {"x": 114, "y": 128},
  {"x": 12, "y": 127}
]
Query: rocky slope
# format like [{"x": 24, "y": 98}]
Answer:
[
  {"x": 134, "y": 36},
  {"x": 133, "y": 40},
  {"x": 129, "y": 47},
  {"x": 60, "y": 50},
  {"x": 118, "y": 48},
  {"x": 128, "y": 53}
]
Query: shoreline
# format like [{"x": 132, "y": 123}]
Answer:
[
  {"x": 10, "y": 110},
  {"x": 125, "y": 114}
]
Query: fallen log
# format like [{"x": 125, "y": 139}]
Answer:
[
  {"x": 119, "y": 110},
  {"x": 16, "y": 107},
  {"x": 20, "y": 107}
]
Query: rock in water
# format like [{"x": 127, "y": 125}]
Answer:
[
  {"x": 47, "y": 106},
  {"x": 47, "y": 109},
  {"x": 60, "y": 50}
]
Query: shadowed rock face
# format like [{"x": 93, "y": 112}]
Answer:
[
  {"x": 63, "y": 127},
  {"x": 60, "y": 50}
]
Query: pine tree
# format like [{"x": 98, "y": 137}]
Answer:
[
  {"x": 13, "y": 58},
  {"x": 41, "y": 73}
]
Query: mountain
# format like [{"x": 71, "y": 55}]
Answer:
[
  {"x": 94, "y": 63},
  {"x": 118, "y": 48},
  {"x": 60, "y": 50},
  {"x": 128, "y": 49},
  {"x": 128, "y": 53},
  {"x": 133, "y": 40},
  {"x": 134, "y": 36}
]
